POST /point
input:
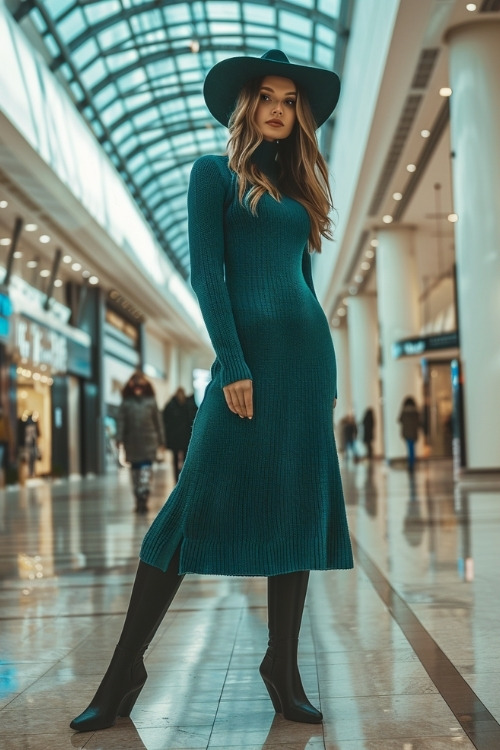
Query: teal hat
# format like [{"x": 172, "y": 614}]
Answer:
[{"x": 226, "y": 79}]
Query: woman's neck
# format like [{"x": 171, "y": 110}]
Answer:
[{"x": 264, "y": 157}]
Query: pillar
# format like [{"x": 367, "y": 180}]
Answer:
[
  {"x": 398, "y": 313},
  {"x": 363, "y": 347},
  {"x": 474, "y": 60}
]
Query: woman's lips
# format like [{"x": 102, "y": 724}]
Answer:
[{"x": 275, "y": 123}]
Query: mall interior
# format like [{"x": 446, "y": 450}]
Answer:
[{"x": 101, "y": 119}]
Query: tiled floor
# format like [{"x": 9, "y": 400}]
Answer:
[{"x": 403, "y": 653}]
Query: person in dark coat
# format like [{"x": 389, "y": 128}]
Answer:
[
  {"x": 368, "y": 425},
  {"x": 260, "y": 493},
  {"x": 410, "y": 424},
  {"x": 178, "y": 417},
  {"x": 350, "y": 433},
  {"x": 139, "y": 429}
]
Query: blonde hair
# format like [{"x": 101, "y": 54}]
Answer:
[{"x": 302, "y": 171}]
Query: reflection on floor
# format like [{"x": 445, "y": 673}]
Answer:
[{"x": 402, "y": 653}]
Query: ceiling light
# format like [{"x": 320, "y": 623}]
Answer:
[
  {"x": 18, "y": 254},
  {"x": 365, "y": 266},
  {"x": 5, "y": 241},
  {"x": 397, "y": 196},
  {"x": 359, "y": 278},
  {"x": 411, "y": 168},
  {"x": 4, "y": 204},
  {"x": 445, "y": 91},
  {"x": 58, "y": 282},
  {"x": 86, "y": 274},
  {"x": 94, "y": 280},
  {"x": 76, "y": 266},
  {"x": 44, "y": 238},
  {"x": 374, "y": 243},
  {"x": 45, "y": 273},
  {"x": 67, "y": 259},
  {"x": 31, "y": 227},
  {"x": 353, "y": 289},
  {"x": 32, "y": 263},
  {"x": 387, "y": 219},
  {"x": 471, "y": 7},
  {"x": 453, "y": 218},
  {"x": 194, "y": 45},
  {"x": 425, "y": 133},
  {"x": 369, "y": 253},
  {"x": 335, "y": 322},
  {"x": 341, "y": 311}
]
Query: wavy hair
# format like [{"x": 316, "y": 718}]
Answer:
[
  {"x": 302, "y": 171},
  {"x": 138, "y": 378}
]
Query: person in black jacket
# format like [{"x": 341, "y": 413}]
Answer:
[
  {"x": 178, "y": 417},
  {"x": 368, "y": 424},
  {"x": 410, "y": 424}
]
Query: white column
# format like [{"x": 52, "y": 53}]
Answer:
[
  {"x": 475, "y": 120},
  {"x": 363, "y": 348},
  {"x": 397, "y": 302}
]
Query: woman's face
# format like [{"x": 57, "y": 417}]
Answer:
[{"x": 275, "y": 115}]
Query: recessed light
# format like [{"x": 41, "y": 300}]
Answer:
[
  {"x": 365, "y": 266},
  {"x": 397, "y": 196},
  {"x": 58, "y": 282},
  {"x": 32, "y": 263},
  {"x": 353, "y": 289},
  {"x": 387, "y": 219},
  {"x": 358, "y": 278},
  {"x": 341, "y": 311},
  {"x": 76, "y": 266},
  {"x": 67, "y": 259},
  {"x": 44, "y": 239},
  {"x": 86, "y": 274},
  {"x": 4, "y": 204},
  {"x": 31, "y": 227},
  {"x": 453, "y": 218},
  {"x": 93, "y": 280},
  {"x": 194, "y": 45},
  {"x": 5, "y": 241},
  {"x": 18, "y": 254},
  {"x": 335, "y": 322},
  {"x": 471, "y": 7},
  {"x": 45, "y": 273},
  {"x": 369, "y": 253},
  {"x": 425, "y": 133},
  {"x": 445, "y": 91},
  {"x": 374, "y": 243},
  {"x": 411, "y": 168}
]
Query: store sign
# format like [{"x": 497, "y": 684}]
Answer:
[
  {"x": 5, "y": 313},
  {"x": 40, "y": 346},
  {"x": 421, "y": 344}
]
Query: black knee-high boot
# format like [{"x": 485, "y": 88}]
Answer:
[
  {"x": 279, "y": 670},
  {"x": 151, "y": 597}
]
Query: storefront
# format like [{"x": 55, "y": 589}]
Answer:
[{"x": 44, "y": 358}]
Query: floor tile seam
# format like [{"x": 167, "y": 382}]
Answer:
[
  {"x": 393, "y": 601},
  {"x": 69, "y": 615}
]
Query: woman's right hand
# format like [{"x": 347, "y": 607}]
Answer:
[{"x": 239, "y": 398}]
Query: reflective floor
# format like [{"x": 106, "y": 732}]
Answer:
[{"x": 403, "y": 653}]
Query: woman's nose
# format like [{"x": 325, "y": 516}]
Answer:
[{"x": 278, "y": 109}]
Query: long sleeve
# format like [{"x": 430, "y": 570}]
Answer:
[{"x": 206, "y": 244}]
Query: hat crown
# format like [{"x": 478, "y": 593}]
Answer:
[{"x": 276, "y": 55}]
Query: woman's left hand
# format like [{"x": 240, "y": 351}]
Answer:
[{"x": 239, "y": 398}]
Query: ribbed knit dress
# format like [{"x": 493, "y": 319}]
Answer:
[{"x": 256, "y": 497}]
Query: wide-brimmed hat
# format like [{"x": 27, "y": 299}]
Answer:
[{"x": 226, "y": 79}]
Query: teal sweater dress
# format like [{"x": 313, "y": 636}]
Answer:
[{"x": 256, "y": 497}]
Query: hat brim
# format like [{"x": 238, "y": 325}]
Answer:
[{"x": 226, "y": 79}]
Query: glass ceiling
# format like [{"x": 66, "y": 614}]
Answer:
[{"x": 135, "y": 69}]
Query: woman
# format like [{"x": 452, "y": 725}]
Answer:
[
  {"x": 410, "y": 424},
  {"x": 140, "y": 431},
  {"x": 260, "y": 491}
]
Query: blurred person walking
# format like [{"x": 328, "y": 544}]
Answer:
[
  {"x": 140, "y": 431},
  {"x": 350, "y": 434},
  {"x": 178, "y": 416},
  {"x": 409, "y": 418},
  {"x": 260, "y": 492},
  {"x": 368, "y": 435}
]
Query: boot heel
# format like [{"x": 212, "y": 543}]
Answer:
[
  {"x": 128, "y": 702},
  {"x": 273, "y": 695}
]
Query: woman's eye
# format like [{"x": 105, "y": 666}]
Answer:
[
  {"x": 290, "y": 102},
  {"x": 264, "y": 97}
]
